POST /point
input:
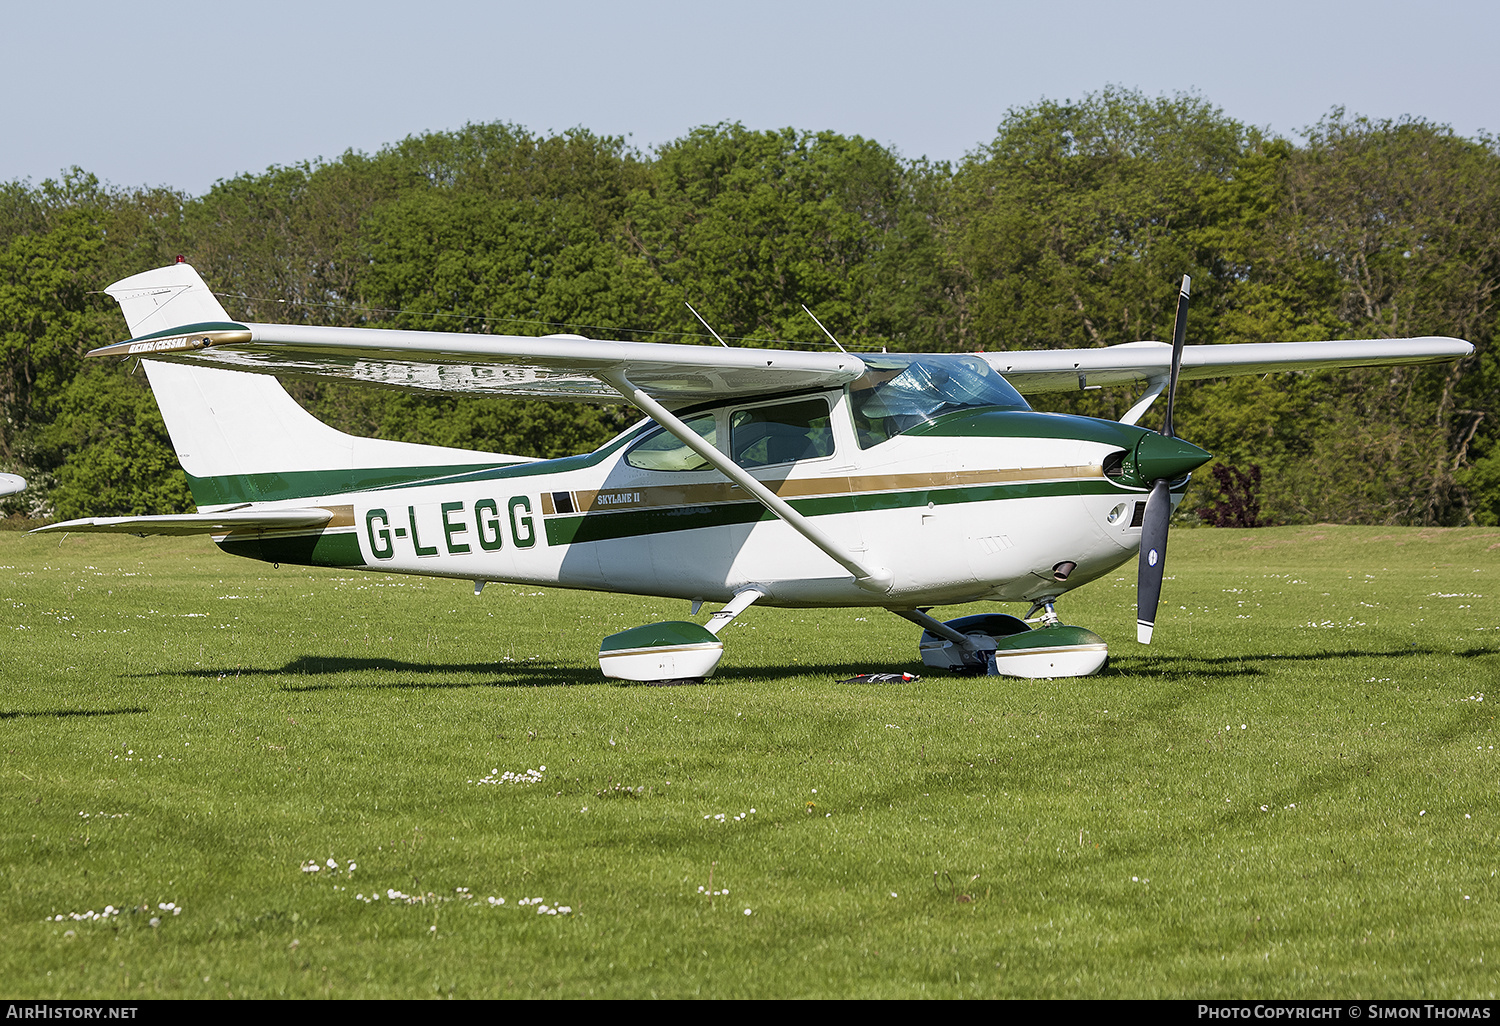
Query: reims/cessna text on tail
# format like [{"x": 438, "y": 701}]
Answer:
[{"x": 765, "y": 476}]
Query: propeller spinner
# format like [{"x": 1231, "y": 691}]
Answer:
[{"x": 1160, "y": 459}]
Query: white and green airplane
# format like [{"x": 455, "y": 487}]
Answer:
[{"x": 769, "y": 476}]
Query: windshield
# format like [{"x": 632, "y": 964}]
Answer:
[{"x": 896, "y": 393}]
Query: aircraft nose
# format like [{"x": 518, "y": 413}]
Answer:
[{"x": 1160, "y": 457}]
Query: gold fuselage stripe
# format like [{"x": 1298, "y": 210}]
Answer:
[{"x": 654, "y": 496}]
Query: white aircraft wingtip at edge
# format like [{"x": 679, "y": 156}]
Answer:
[{"x": 10, "y": 484}]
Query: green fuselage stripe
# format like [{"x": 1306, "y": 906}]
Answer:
[
  {"x": 302, "y": 484},
  {"x": 327, "y": 549},
  {"x": 1002, "y": 423}
]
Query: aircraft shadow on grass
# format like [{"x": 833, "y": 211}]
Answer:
[
  {"x": 1251, "y": 664},
  {"x": 425, "y": 675},
  {"x": 16, "y": 714},
  {"x": 395, "y": 673}
]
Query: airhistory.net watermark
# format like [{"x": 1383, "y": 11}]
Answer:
[{"x": 67, "y": 1010}]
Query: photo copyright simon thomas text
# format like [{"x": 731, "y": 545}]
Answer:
[{"x": 1291, "y": 1010}]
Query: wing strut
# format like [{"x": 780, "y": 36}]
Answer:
[
  {"x": 872, "y": 578},
  {"x": 1136, "y": 412}
]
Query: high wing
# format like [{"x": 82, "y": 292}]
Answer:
[
  {"x": 550, "y": 366},
  {"x": 1069, "y": 370},
  {"x": 570, "y": 366},
  {"x": 174, "y": 316}
]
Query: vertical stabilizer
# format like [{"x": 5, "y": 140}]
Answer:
[
  {"x": 240, "y": 437},
  {"x": 167, "y": 297}
]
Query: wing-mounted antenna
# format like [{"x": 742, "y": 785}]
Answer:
[
  {"x": 701, "y": 321},
  {"x": 825, "y": 330}
]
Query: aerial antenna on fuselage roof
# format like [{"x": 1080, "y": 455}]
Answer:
[
  {"x": 701, "y": 321},
  {"x": 825, "y": 330}
]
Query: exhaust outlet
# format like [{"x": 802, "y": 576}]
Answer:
[{"x": 1061, "y": 571}]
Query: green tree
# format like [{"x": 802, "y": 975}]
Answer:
[
  {"x": 748, "y": 226},
  {"x": 109, "y": 450},
  {"x": 1080, "y": 219},
  {"x": 1071, "y": 227},
  {"x": 1390, "y": 229},
  {"x": 46, "y": 318}
]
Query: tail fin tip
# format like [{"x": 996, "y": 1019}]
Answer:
[{"x": 164, "y": 298}]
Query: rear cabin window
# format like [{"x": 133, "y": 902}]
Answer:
[
  {"x": 663, "y": 451},
  {"x": 784, "y": 433}
]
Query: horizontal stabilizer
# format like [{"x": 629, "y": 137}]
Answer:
[{"x": 198, "y": 523}]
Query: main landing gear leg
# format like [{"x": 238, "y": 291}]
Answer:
[
  {"x": 741, "y": 601},
  {"x": 1049, "y": 614}
]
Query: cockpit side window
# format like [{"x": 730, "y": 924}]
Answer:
[
  {"x": 896, "y": 393},
  {"x": 661, "y": 450},
  {"x": 766, "y": 435}
]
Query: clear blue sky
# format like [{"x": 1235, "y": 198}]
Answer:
[{"x": 183, "y": 94}]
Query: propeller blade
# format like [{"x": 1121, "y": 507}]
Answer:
[
  {"x": 1179, "y": 335},
  {"x": 1153, "y": 562},
  {"x": 1153, "y": 559}
]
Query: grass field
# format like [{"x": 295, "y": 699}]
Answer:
[{"x": 1295, "y": 792}]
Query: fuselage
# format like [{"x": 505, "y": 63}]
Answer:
[{"x": 982, "y": 502}]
